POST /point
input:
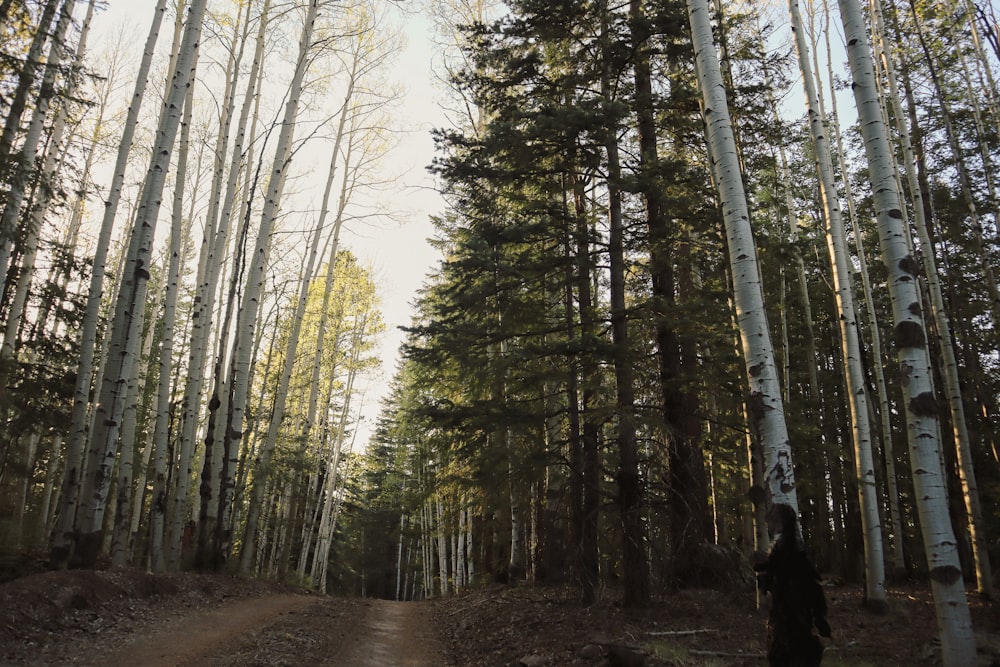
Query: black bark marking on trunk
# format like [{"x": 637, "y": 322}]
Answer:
[
  {"x": 910, "y": 266},
  {"x": 946, "y": 574},
  {"x": 924, "y": 405},
  {"x": 909, "y": 334}
]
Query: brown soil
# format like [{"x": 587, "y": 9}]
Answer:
[{"x": 129, "y": 617}]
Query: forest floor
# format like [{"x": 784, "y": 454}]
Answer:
[{"x": 128, "y": 617}]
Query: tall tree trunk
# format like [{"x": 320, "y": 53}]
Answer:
[
  {"x": 334, "y": 246},
  {"x": 28, "y": 157},
  {"x": 130, "y": 304},
  {"x": 954, "y": 622},
  {"x": 78, "y": 430},
  {"x": 12, "y": 124},
  {"x": 688, "y": 491},
  {"x": 850, "y": 339},
  {"x": 72, "y": 474},
  {"x": 963, "y": 448},
  {"x": 634, "y": 564},
  {"x": 765, "y": 407},
  {"x": 588, "y": 468},
  {"x": 211, "y": 260},
  {"x": 248, "y": 314}
]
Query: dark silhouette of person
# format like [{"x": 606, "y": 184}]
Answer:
[{"x": 797, "y": 603}]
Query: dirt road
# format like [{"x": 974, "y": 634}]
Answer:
[
  {"x": 294, "y": 630},
  {"x": 285, "y": 630}
]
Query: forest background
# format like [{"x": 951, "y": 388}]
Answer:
[{"x": 661, "y": 280}]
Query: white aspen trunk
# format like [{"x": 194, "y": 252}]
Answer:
[
  {"x": 793, "y": 234},
  {"x": 45, "y": 511},
  {"x": 982, "y": 61},
  {"x": 310, "y": 514},
  {"x": 330, "y": 499},
  {"x": 765, "y": 407},
  {"x": 460, "y": 562},
  {"x": 425, "y": 546},
  {"x": 442, "y": 539},
  {"x": 124, "y": 533},
  {"x": 405, "y": 591},
  {"x": 341, "y": 492},
  {"x": 21, "y": 180},
  {"x": 313, "y": 400},
  {"x": 17, "y": 527},
  {"x": 278, "y": 410},
  {"x": 310, "y": 530},
  {"x": 43, "y": 194},
  {"x": 336, "y": 501},
  {"x": 79, "y": 426},
  {"x": 70, "y": 239},
  {"x": 252, "y": 445},
  {"x": 850, "y": 338},
  {"x": 457, "y": 586},
  {"x": 942, "y": 331},
  {"x": 399, "y": 557},
  {"x": 975, "y": 223},
  {"x": 916, "y": 198},
  {"x": 158, "y": 505},
  {"x": 122, "y": 495},
  {"x": 17, "y": 103},
  {"x": 210, "y": 262},
  {"x": 122, "y": 542},
  {"x": 210, "y": 266},
  {"x": 471, "y": 579},
  {"x": 129, "y": 308},
  {"x": 247, "y": 319},
  {"x": 516, "y": 523},
  {"x": 428, "y": 551},
  {"x": 142, "y": 480},
  {"x": 972, "y": 96},
  {"x": 955, "y": 625}
]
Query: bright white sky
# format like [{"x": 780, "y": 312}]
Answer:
[{"x": 398, "y": 253}]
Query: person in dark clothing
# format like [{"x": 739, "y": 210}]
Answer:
[{"x": 797, "y": 603}]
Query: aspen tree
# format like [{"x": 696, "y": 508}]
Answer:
[
  {"x": 28, "y": 156},
  {"x": 949, "y": 363},
  {"x": 16, "y": 107},
  {"x": 949, "y": 370},
  {"x": 281, "y": 392},
  {"x": 955, "y": 625},
  {"x": 42, "y": 199},
  {"x": 766, "y": 412},
  {"x": 850, "y": 339},
  {"x": 365, "y": 56},
  {"x": 636, "y": 569},
  {"x": 247, "y": 320},
  {"x": 962, "y": 172},
  {"x": 973, "y": 94},
  {"x": 124, "y": 486},
  {"x": 310, "y": 529},
  {"x": 884, "y": 410},
  {"x": 72, "y": 474},
  {"x": 210, "y": 262},
  {"x": 130, "y": 303},
  {"x": 210, "y": 266},
  {"x": 331, "y": 499},
  {"x": 112, "y": 64}
]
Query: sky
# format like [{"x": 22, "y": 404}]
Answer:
[{"x": 398, "y": 252}]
